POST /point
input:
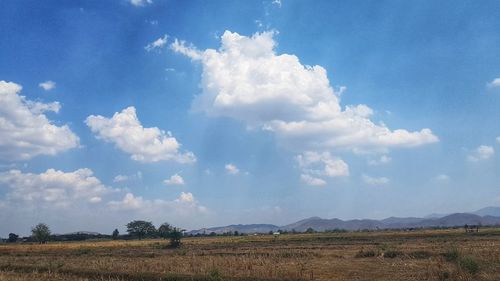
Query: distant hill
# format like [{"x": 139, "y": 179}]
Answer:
[
  {"x": 485, "y": 216},
  {"x": 241, "y": 228},
  {"x": 488, "y": 211}
]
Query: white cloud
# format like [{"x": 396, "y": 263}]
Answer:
[
  {"x": 231, "y": 169},
  {"x": 141, "y": 3},
  {"x": 246, "y": 80},
  {"x": 53, "y": 188},
  {"x": 175, "y": 179},
  {"x": 483, "y": 152},
  {"x": 495, "y": 83},
  {"x": 186, "y": 197},
  {"x": 310, "y": 180},
  {"x": 184, "y": 205},
  {"x": 47, "y": 85},
  {"x": 322, "y": 164},
  {"x": 277, "y": 2},
  {"x": 122, "y": 178},
  {"x": 26, "y": 132},
  {"x": 498, "y": 139},
  {"x": 375, "y": 181},
  {"x": 384, "y": 159},
  {"x": 158, "y": 44},
  {"x": 144, "y": 144}
]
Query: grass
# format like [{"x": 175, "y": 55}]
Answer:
[{"x": 417, "y": 255}]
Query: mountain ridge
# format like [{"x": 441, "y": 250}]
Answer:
[{"x": 485, "y": 216}]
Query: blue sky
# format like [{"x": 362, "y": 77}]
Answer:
[{"x": 210, "y": 113}]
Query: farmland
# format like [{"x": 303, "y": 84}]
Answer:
[{"x": 417, "y": 255}]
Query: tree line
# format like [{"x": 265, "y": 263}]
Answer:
[{"x": 137, "y": 229}]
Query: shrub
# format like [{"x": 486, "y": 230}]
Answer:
[
  {"x": 420, "y": 254},
  {"x": 392, "y": 254},
  {"x": 452, "y": 254},
  {"x": 366, "y": 254},
  {"x": 469, "y": 264},
  {"x": 215, "y": 275}
]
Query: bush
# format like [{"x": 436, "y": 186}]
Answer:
[
  {"x": 452, "y": 254},
  {"x": 469, "y": 264},
  {"x": 215, "y": 275},
  {"x": 366, "y": 254},
  {"x": 392, "y": 254},
  {"x": 420, "y": 254}
]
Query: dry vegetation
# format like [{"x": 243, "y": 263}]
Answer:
[{"x": 419, "y": 255}]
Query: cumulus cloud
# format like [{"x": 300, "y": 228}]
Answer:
[
  {"x": 185, "y": 205},
  {"x": 246, "y": 80},
  {"x": 141, "y": 3},
  {"x": 483, "y": 152},
  {"x": 144, "y": 144},
  {"x": 158, "y": 44},
  {"x": 495, "y": 83},
  {"x": 175, "y": 179},
  {"x": 315, "y": 165},
  {"x": 277, "y": 2},
  {"x": 310, "y": 180},
  {"x": 53, "y": 187},
  {"x": 375, "y": 181},
  {"x": 47, "y": 85},
  {"x": 25, "y": 129},
  {"x": 231, "y": 169}
]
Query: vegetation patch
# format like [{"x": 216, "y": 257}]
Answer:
[
  {"x": 420, "y": 254},
  {"x": 366, "y": 253},
  {"x": 469, "y": 264}
]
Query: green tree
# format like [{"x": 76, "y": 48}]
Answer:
[
  {"x": 115, "y": 234},
  {"x": 175, "y": 237},
  {"x": 141, "y": 229},
  {"x": 41, "y": 233},
  {"x": 13, "y": 237},
  {"x": 164, "y": 230}
]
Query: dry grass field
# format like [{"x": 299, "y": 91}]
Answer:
[{"x": 391, "y": 255}]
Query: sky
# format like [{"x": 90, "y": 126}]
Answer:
[{"x": 208, "y": 113}]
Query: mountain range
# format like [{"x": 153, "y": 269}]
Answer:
[{"x": 485, "y": 216}]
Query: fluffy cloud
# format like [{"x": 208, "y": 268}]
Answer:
[
  {"x": 384, "y": 159},
  {"x": 175, "y": 179},
  {"x": 141, "y": 3},
  {"x": 375, "y": 181},
  {"x": 53, "y": 187},
  {"x": 158, "y": 44},
  {"x": 184, "y": 205},
  {"x": 144, "y": 144},
  {"x": 495, "y": 83},
  {"x": 47, "y": 85},
  {"x": 322, "y": 164},
  {"x": 231, "y": 169},
  {"x": 483, "y": 152},
  {"x": 246, "y": 80},
  {"x": 26, "y": 131}
]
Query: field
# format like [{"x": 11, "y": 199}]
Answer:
[{"x": 416, "y": 255}]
